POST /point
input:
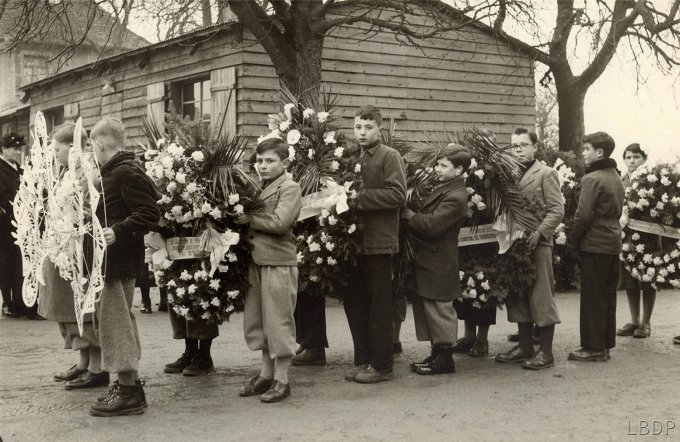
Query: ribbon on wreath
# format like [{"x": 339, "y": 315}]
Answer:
[
  {"x": 504, "y": 235},
  {"x": 217, "y": 244},
  {"x": 155, "y": 251},
  {"x": 333, "y": 195}
]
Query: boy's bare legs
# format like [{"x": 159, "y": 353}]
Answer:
[
  {"x": 84, "y": 359},
  {"x": 634, "y": 304}
]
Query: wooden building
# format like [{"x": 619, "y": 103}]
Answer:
[{"x": 463, "y": 78}]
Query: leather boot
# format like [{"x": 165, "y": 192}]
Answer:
[
  {"x": 443, "y": 363},
  {"x": 428, "y": 360},
  {"x": 123, "y": 400}
]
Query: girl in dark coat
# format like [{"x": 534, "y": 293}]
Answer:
[{"x": 433, "y": 276}]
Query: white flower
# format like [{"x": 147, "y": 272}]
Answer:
[
  {"x": 192, "y": 187},
  {"x": 300, "y": 256},
  {"x": 166, "y": 265},
  {"x": 200, "y": 274},
  {"x": 171, "y": 187},
  {"x": 291, "y": 153},
  {"x": 330, "y": 246},
  {"x": 665, "y": 181},
  {"x": 310, "y": 153},
  {"x": 231, "y": 257},
  {"x": 635, "y": 236},
  {"x": 293, "y": 137},
  {"x": 330, "y": 138},
  {"x": 660, "y": 205},
  {"x": 215, "y": 302},
  {"x": 238, "y": 209},
  {"x": 461, "y": 274},
  {"x": 216, "y": 213},
  {"x": 473, "y": 164},
  {"x": 473, "y": 293},
  {"x": 192, "y": 289},
  {"x": 160, "y": 142},
  {"x": 338, "y": 152},
  {"x": 332, "y": 220},
  {"x": 653, "y": 213},
  {"x": 197, "y": 156},
  {"x": 206, "y": 208},
  {"x": 471, "y": 282},
  {"x": 204, "y": 305},
  {"x": 324, "y": 213},
  {"x": 335, "y": 165},
  {"x": 658, "y": 261},
  {"x": 470, "y": 190},
  {"x": 232, "y": 294},
  {"x": 181, "y": 177},
  {"x": 652, "y": 178},
  {"x": 167, "y": 162},
  {"x": 150, "y": 153},
  {"x": 480, "y": 276},
  {"x": 479, "y": 173},
  {"x": 626, "y": 247},
  {"x": 223, "y": 268},
  {"x": 322, "y": 116},
  {"x": 307, "y": 113},
  {"x": 284, "y": 125},
  {"x": 314, "y": 247},
  {"x": 205, "y": 316},
  {"x": 314, "y": 278},
  {"x": 486, "y": 285},
  {"x": 233, "y": 198},
  {"x": 287, "y": 109},
  {"x": 357, "y": 168},
  {"x": 640, "y": 248},
  {"x": 561, "y": 239},
  {"x": 331, "y": 261},
  {"x": 352, "y": 228},
  {"x": 180, "y": 292},
  {"x": 482, "y": 297},
  {"x": 319, "y": 260},
  {"x": 215, "y": 284},
  {"x": 647, "y": 258},
  {"x": 185, "y": 276}
]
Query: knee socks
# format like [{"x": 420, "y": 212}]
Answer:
[{"x": 267, "y": 370}]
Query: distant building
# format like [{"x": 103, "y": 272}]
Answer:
[
  {"x": 35, "y": 60},
  {"x": 459, "y": 79}
]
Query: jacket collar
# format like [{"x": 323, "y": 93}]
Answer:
[
  {"x": 605, "y": 163},
  {"x": 271, "y": 187},
  {"x": 456, "y": 183},
  {"x": 371, "y": 150},
  {"x": 9, "y": 165},
  {"x": 117, "y": 159},
  {"x": 528, "y": 176}
]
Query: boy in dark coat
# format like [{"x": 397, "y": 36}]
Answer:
[
  {"x": 434, "y": 274},
  {"x": 368, "y": 299},
  {"x": 597, "y": 235},
  {"x": 127, "y": 211}
]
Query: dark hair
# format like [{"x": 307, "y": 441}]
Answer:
[
  {"x": 523, "y": 130},
  {"x": 457, "y": 154},
  {"x": 369, "y": 112},
  {"x": 12, "y": 141},
  {"x": 273, "y": 144},
  {"x": 64, "y": 133},
  {"x": 634, "y": 148},
  {"x": 601, "y": 140}
]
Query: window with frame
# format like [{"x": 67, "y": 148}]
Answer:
[
  {"x": 34, "y": 68},
  {"x": 54, "y": 117},
  {"x": 192, "y": 98}
]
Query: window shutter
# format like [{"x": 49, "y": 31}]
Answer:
[
  {"x": 223, "y": 90},
  {"x": 71, "y": 111},
  {"x": 155, "y": 103}
]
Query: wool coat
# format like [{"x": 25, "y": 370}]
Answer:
[
  {"x": 9, "y": 186},
  {"x": 435, "y": 230},
  {"x": 384, "y": 178},
  {"x": 596, "y": 226},
  {"x": 129, "y": 207},
  {"x": 541, "y": 184},
  {"x": 271, "y": 230}
]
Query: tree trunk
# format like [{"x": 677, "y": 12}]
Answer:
[
  {"x": 303, "y": 74},
  {"x": 571, "y": 100},
  {"x": 206, "y": 13}
]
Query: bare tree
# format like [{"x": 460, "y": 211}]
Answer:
[
  {"x": 547, "y": 123},
  {"x": 604, "y": 25}
]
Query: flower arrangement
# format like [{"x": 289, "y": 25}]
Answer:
[
  {"x": 203, "y": 190},
  {"x": 326, "y": 167},
  {"x": 651, "y": 250}
]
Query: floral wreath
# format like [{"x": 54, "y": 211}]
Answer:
[{"x": 653, "y": 198}]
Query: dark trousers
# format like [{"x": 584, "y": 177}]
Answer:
[
  {"x": 368, "y": 306},
  {"x": 599, "y": 276},
  {"x": 11, "y": 278},
  {"x": 310, "y": 320}
]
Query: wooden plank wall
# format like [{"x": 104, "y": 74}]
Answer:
[
  {"x": 129, "y": 102},
  {"x": 460, "y": 80}
]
